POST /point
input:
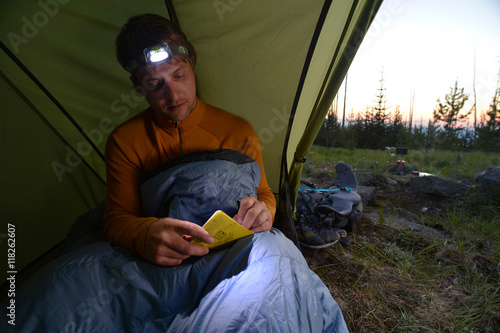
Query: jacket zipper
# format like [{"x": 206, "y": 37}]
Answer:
[{"x": 180, "y": 137}]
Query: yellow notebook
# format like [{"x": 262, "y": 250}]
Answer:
[{"x": 224, "y": 230}]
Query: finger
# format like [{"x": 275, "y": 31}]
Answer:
[
  {"x": 252, "y": 214},
  {"x": 164, "y": 261},
  {"x": 166, "y": 256},
  {"x": 168, "y": 241},
  {"x": 191, "y": 249},
  {"x": 245, "y": 204},
  {"x": 169, "y": 259},
  {"x": 189, "y": 229},
  {"x": 176, "y": 251},
  {"x": 180, "y": 242},
  {"x": 263, "y": 222},
  {"x": 187, "y": 237},
  {"x": 165, "y": 253}
]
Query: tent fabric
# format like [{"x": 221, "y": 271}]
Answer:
[
  {"x": 69, "y": 47},
  {"x": 343, "y": 54},
  {"x": 265, "y": 61}
]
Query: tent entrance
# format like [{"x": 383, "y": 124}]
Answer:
[{"x": 276, "y": 64}]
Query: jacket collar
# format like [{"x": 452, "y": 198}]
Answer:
[{"x": 192, "y": 120}]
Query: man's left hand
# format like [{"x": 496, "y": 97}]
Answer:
[{"x": 254, "y": 215}]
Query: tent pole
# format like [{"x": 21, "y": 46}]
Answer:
[
  {"x": 285, "y": 199},
  {"x": 49, "y": 125},
  {"x": 51, "y": 97},
  {"x": 172, "y": 13}
]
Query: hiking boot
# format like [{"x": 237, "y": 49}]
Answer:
[
  {"x": 329, "y": 222},
  {"x": 315, "y": 235},
  {"x": 348, "y": 220}
]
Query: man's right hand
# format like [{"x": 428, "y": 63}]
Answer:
[{"x": 168, "y": 241}]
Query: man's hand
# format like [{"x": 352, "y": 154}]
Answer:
[
  {"x": 254, "y": 215},
  {"x": 168, "y": 241}
]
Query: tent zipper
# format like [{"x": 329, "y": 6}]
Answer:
[{"x": 180, "y": 137}]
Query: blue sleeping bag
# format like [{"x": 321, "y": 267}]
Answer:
[
  {"x": 193, "y": 187},
  {"x": 261, "y": 283}
]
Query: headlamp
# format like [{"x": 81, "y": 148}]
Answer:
[{"x": 157, "y": 55}]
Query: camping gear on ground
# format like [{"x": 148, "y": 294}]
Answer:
[
  {"x": 400, "y": 151},
  {"x": 325, "y": 215}
]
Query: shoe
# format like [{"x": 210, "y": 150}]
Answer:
[
  {"x": 348, "y": 221},
  {"x": 314, "y": 234}
]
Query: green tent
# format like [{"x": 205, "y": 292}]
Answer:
[{"x": 277, "y": 64}]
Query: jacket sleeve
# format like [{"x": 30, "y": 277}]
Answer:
[
  {"x": 123, "y": 224},
  {"x": 251, "y": 147}
]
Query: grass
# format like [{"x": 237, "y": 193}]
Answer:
[
  {"x": 392, "y": 279},
  {"x": 443, "y": 163}
]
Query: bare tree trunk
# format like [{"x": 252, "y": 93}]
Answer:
[
  {"x": 474, "y": 89},
  {"x": 345, "y": 97},
  {"x": 410, "y": 116}
]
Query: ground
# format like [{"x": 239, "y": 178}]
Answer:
[{"x": 403, "y": 274}]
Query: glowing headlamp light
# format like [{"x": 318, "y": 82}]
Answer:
[{"x": 157, "y": 55}]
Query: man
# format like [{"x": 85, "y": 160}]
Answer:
[
  {"x": 161, "y": 62},
  {"x": 262, "y": 283}
]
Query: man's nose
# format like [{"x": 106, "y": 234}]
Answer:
[{"x": 170, "y": 91}]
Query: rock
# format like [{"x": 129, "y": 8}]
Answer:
[
  {"x": 438, "y": 186},
  {"x": 400, "y": 170},
  {"x": 489, "y": 179},
  {"x": 367, "y": 193},
  {"x": 403, "y": 180},
  {"x": 462, "y": 179},
  {"x": 409, "y": 225},
  {"x": 365, "y": 178},
  {"x": 391, "y": 181}
]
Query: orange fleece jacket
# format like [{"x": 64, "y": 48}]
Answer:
[{"x": 146, "y": 141}]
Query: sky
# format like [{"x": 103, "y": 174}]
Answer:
[{"x": 423, "y": 47}]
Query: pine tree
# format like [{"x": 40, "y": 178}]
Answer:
[
  {"x": 354, "y": 131},
  {"x": 376, "y": 118},
  {"x": 379, "y": 111},
  {"x": 494, "y": 113},
  {"x": 330, "y": 131},
  {"x": 489, "y": 130},
  {"x": 449, "y": 112},
  {"x": 431, "y": 135},
  {"x": 396, "y": 130}
]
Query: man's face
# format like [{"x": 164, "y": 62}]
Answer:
[{"x": 170, "y": 88}]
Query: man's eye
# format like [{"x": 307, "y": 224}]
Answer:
[
  {"x": 179, "y": 75},
  {"x": 155, "y": 84}
]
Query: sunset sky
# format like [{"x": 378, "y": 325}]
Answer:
[{"x": 425, "y": 46}]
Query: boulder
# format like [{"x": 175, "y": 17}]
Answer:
[
  {"x": 367, "y": 193},
  {"x": 365, "y": 178},
  {"x": 400, "y": 169},
  {"x": 437, "y": 186},
  {"x": 489, "y": 179}
]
